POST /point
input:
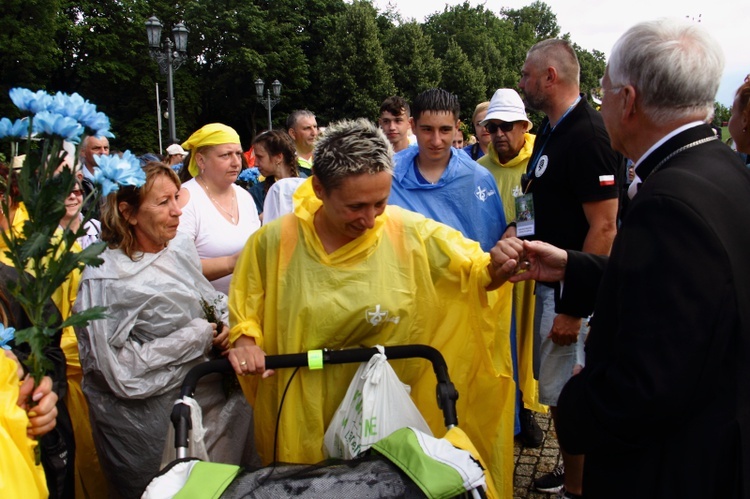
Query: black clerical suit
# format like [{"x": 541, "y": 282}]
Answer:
[{"x": 662, "y": 408}]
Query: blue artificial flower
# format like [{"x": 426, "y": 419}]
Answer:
[
  {"x": 76, "y": 107},
  {"x": 114, "y": 171},
  {"x": 31, "y": 102},
  {"x": 7, "y": 334},
  {"x": 17, "y": 130},
  {"x": 48, "y": 123},
  {"x": 99, "y": 123},
  {"x": 249, "y": 175}
]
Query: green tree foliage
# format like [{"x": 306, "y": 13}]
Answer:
[
  {"x": 463, "y": 79},
  {"x": 408, "y": 51},
  {"x": 721, "y": 114},
  {"x": 531, "y": 24},
  {"x": 224, "y": 46},
  {"x": 354, "y": 73},
  {"x": 28, "y": 51},
  {"x": 310, "y": 24},
  {"x": 535, "y": 21},
  {"x": 339, "y": 59},
  {"x": 592, "y": 69},
  {"x": 482, "y": 36},
  {"x": 105, "y": 59}
]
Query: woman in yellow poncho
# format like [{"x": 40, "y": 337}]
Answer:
[
  {"x": 89, "y": 478},
  {"x": 19, "y": 476},
  {"x": 345, "y": 270}
]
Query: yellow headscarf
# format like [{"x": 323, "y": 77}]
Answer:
[{"x": 210, "y": 135}]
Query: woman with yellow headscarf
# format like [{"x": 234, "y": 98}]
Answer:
[{"x": 218, "y": 215}]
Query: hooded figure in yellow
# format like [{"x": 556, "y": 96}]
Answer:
[{"x": 345, "y": 270}]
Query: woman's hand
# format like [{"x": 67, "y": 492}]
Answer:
[
  {"x": 504, "y": 258},
  {"x": 42, "y": 417},
  {"x": 248, "y": 358}
]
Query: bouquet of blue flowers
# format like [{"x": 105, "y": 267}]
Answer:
[
  {"x": 248, "y": 177},
  {"x": 40, "y": 250}
]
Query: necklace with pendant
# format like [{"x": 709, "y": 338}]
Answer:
[
  {"x": 419, "y": 168},
  {"x": 231, "y": 213}
]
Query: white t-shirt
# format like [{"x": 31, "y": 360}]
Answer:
[
  {"x": 279, "y": 198},
  {"x": 214, "y": 235}
]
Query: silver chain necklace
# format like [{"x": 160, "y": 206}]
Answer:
[
  {"x": 678, "y": 151},
  {"x": 231, "y": 214}
]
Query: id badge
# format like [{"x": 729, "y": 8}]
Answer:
[{"x": 525, "y": 215}]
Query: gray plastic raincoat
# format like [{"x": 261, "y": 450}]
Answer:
[{"x": 135, "y": 360}]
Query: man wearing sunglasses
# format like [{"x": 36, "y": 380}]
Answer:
[
  {"x": 510, "y": 147},
  {"x": 507, "y": 157}
]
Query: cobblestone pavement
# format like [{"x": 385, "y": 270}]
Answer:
[{"x": 533, "y": 463}]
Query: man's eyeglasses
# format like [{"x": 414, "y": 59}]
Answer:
[{"x": 505, "y": 127}]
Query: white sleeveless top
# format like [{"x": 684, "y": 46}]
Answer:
[{"x": 214, "y": 235}]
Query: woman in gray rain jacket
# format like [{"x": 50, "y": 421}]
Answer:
[{"x": 135, "y": 359}]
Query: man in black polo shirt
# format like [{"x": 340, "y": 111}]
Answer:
[{"x": 571, "y": 198}]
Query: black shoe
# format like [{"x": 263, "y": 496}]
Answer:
[
  {"x": 531, "y": 435},
  {"x": 551, "y": 483}
]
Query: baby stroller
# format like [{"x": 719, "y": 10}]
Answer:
[{"x": 397, "y": 470}]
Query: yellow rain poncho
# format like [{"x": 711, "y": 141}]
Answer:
[
  {"x": 408, "y": 280},
  {"x": 508, "y": 179},
  {"x": 19, "y": 476},
  {"x": 89, "y": 477},
  {"x": 90, "y": 481}
]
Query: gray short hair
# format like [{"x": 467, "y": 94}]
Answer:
[
  {"x": 351, "y": 147},
  {"x": 559, "y": 54},
  {"x": 296, "y": 115},
  {"x": 674, "y": 65}
]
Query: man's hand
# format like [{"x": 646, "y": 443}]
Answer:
[
  {"x": 541, "y": 261},
  {"x": 565, "y": 329}
]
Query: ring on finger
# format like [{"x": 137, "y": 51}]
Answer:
[{"x": 243, "y": 363}]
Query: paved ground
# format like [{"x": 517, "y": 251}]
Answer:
[{"x": 533, "y": 463}]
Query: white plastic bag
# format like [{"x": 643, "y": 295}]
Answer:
[
  {"x": 375, "y": 405},
  {"x": 196, "y": 443}
]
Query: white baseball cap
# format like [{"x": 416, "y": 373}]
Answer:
[
  {"x": 506, "y": 105},
  {"x": 175, "y": 149}
]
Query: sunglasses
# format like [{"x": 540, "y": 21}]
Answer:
[
  {"x": 77, "y": 192},
  {"x": 504, "y": 127}
]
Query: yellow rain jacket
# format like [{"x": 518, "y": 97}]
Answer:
[
  {"x": 19, "y": 476},
  {"x": 508, "y": 179},
  {"x": 408, "y": 280},
  {"x": 89, "y": 477},
  {"x": 90, "y": 481}
]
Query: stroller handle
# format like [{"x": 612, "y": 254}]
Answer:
[{"x": 446, "y": 392}]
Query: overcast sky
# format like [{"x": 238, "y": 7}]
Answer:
[{"x": 597, "y": 25}]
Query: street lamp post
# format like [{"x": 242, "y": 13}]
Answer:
[
  {"x": 268, "y": 101},
  {"x": 170, "y": 56}
]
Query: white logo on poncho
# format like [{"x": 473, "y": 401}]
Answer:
[
  {"x": 482, "y": 194},
  {"x": 375, "y": 316}
]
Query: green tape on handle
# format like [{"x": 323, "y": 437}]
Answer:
[{"x": 315, "y": 359}]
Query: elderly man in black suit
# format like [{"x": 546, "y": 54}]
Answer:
[{"x": 662, "y": 408}]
